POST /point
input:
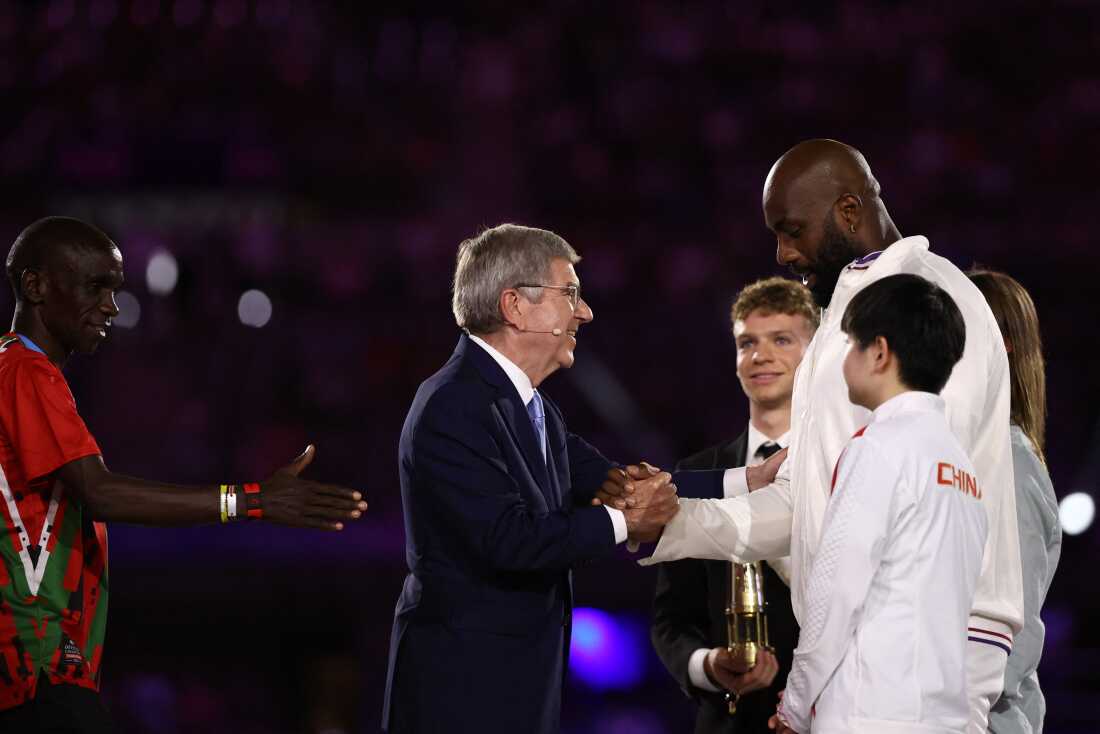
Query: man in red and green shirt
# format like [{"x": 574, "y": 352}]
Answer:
[{"x": 56, "y": 493}]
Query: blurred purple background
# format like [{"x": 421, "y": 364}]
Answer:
[{"x": 333, "y": 157}]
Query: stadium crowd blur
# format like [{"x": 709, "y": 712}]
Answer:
[{"x": 331, "y": 158}]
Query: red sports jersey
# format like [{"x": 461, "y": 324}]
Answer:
[{"x": 53, "y": 562}]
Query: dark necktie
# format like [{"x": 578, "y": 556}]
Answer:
[{"x": 767, "y": 449}]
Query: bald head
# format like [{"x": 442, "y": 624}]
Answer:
[
  {"x": 823, "y": 169},
  {"x": 822, "y": 202},
  {"x": 40, "y": 244}
]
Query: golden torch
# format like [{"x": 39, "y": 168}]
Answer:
[{"x": 746, "y": 621}]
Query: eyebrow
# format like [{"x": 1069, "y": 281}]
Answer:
[
  {"x": 789, "y": 222},
  {"x": 773, "y": 332}
]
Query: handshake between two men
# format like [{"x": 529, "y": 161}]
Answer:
[
  {"x": 648, "y": 497},
  {"x": 645, "y": 495}
]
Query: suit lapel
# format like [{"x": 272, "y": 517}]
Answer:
[
  {"x": 733, "y": 453},
  {"x": 555, "y": 437},
  {"x": 512, "y": 410},
  {"x": 519, "y": 426}
]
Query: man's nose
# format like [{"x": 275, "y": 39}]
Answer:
[
  {"x": 785, "y": 253},
  {"x": 110, "y": 306},
  {"x": 583, "y": 312}
]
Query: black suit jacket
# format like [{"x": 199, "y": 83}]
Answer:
[
  {"x": 689, "y": 612},
  {"x": 481, "y": 628}
]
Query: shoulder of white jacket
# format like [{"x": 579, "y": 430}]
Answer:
[
  {"x": 899, "y": 433},
  {"x": 952, "y": 279},
  {"x": 875, "y": 438}
]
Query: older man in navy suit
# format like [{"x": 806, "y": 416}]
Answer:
[{"x": 497, "y": 496}]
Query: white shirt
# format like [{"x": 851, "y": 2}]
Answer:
[
  {"x": 786, "y": 516},
  {"x": 754, "y": 440},
  {"x": 526, "y": 392},
  {"x": 884, "y": 632}
]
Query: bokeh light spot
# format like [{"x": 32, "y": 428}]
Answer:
[
  {"x": 1075, "y": 512},
  {"x": 603, "y": 652},
  {"x": 162, "y": 273},
  {"x": 254, "y": 308}
]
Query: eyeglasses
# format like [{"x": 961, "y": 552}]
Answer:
[{"x": 572, "y": 292}]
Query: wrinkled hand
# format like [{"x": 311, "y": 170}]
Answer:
[
  {"x": 287, "y": 499},
  {"x": 655, "y": 504},
  {"x": 618, "y": 488},
  {"x": 729, "y": 674},
  {"x": 762, "y": 475},
  {"x": 777, "y": 723}
]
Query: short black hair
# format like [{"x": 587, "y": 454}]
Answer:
[
  {"x": 919, "y": 320},
  {"x": 40, "y": 241}
]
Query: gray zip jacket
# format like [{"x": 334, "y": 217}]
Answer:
[{"x": 1021, "y": 707}]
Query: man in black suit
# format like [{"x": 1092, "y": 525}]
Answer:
[
  {"x": 497, "y": 493},
  {"x": 773, "y": 323}
]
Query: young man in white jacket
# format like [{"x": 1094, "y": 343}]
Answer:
[
  {"x": 832, "y": 229},
  {"x": 883, "y": 642}
]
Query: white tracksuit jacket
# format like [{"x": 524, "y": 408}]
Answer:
[
  {"x": 785, "y": 517},
  {"x": 884, "y": 631}
]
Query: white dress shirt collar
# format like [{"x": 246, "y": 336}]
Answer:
[
  {"x": 518, "y": 377},
  {"x": 756, "y": 439}
]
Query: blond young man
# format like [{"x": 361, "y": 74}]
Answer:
[{"x": 773, "y": 321}]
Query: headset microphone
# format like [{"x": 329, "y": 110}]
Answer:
[{"x": 555, "y": 332}]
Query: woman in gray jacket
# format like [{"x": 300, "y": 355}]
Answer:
[{"x": 1021, "y": 707}]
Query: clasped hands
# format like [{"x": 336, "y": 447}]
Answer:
[
  {"x": 645, "y": 494},
  {"x": 728, "y": 673}
]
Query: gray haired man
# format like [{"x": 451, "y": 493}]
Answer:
[{"x": 497, "y": 500}]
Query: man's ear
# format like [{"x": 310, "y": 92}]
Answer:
[
  {"x": 849, "y": 209},
  {"x": 883, "y": 355},
  {"x": 33, "y": 285},
  {"x": 511, "y": 309}
]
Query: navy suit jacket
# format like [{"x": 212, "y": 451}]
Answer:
[{"x": 481, "y": 629}]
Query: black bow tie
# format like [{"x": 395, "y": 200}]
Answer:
[{"x": 767, "y": 449}]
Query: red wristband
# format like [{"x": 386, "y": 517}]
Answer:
[{"x": 252, "y": 501}]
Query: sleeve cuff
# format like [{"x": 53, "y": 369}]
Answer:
[
  {"x": 618, "y": 522},
  {"x": 734, "y": 482},
  {"x": 789, "y": 712},
  {"x": 697, "y": 674}
]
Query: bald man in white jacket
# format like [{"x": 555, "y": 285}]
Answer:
[{"x": 832, "y": 229}]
